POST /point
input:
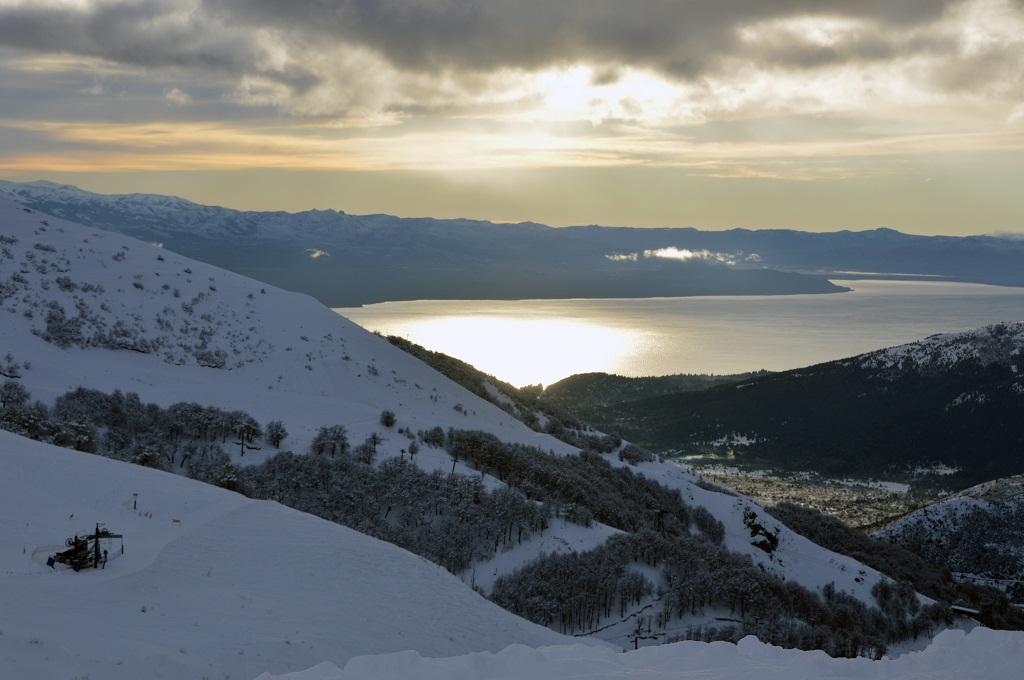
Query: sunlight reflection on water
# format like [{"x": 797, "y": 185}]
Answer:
[
  {"x": 531, "y": 341},
  {"x": 522, "y": 351}
]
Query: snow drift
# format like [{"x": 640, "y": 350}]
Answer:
[{"x": 953, "y": 655}]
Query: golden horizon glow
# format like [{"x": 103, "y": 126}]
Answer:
[
  {"x": 780, "y": 95},
  {"x": 182, "y": 146}
]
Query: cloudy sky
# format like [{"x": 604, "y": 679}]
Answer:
[{"x": 817, "y": 114}]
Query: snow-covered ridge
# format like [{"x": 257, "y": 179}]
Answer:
[
  {"x": 170, "y": 215},
  {"x": 86, "y": 307},
  {"x": 995, "y": 489},
  {"x": 1001, "y": 343},
  {"x": 62, "y": 290},
  {"x": 949, "y": 511},
  {"x": 978, "y": 533},
  {"x": 953, "y": 655}
]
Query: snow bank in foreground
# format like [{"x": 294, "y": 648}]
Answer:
[
  {"x": 953, "y": 655},
  {"x": 211, "y": 584}
]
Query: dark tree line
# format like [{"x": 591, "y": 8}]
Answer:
[
  {"x": 575, "y": 591},
  {"x": 452, "y": 520},
  {"x": 615, "y": 496},
  {"x": 906, "y": 561},
  {"x": 186, "y": 437}
]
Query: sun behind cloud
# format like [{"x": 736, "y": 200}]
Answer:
[{"x": 757, "y": 96}]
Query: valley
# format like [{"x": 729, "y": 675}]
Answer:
[{"x": 859, "y": 503}]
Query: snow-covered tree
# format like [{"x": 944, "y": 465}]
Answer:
[
  {"x": 13, "y": 395},
  {"x": 276, "y": 433},
  {"x": 332, "y": 440}
]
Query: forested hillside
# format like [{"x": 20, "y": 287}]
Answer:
[
  {"x": 905, "y": 565},
  {"x": 977, "y": 533},
  {"x": 591, "y": 395},
  {"x": 954, "y": 400}
]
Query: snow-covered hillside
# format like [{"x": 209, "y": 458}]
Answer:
[
  {"x": 211, "y": 584},
  {"x": 285, "y": 357},
  {"x": 1001, "y": 344},
  {"x": 87, "y": 307},
  {"x": 978, "y": 533},
  {"x": 953, "y": 655},
  {"x": 84, "y": 307},
  {"x": 748, "y": 527},
  {"x": 960, "y": 504}
]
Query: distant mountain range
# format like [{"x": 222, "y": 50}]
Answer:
[
  {"x": 954, "y": 399},
  {"x": 347, "y": 260}
]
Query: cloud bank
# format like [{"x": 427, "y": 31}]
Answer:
[
  {"x": 362, "y": 57},
  {"x": 752, "y": 90}
]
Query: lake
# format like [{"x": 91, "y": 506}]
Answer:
[{"x": 541, "y": 341}]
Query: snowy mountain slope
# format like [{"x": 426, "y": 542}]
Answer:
[
  {"x": 1000, "y": 344},
  {"x": 211, "y": 584},
  {"x": 794, "y": 557},
  {"x": 979, "y": 496},
  {"x": 86, "y": 307},
  {"x": 747, "y": 530},
  {"x": 953, "y": 655},
  {"x": 978, "y": 533},
  {"x": 92, "y": 308}
]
